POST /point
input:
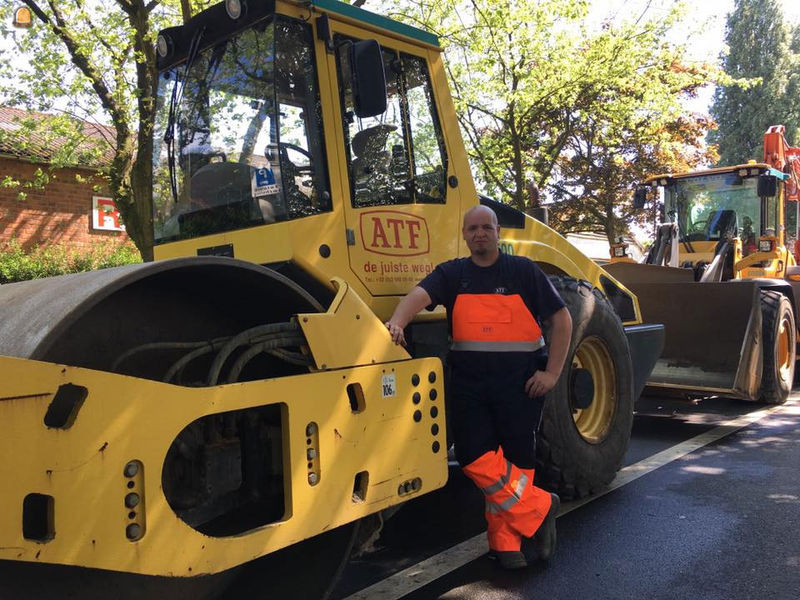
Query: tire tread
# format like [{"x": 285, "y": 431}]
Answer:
[{"x": 558, "y": 469}]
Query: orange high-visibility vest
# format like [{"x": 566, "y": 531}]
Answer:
[{"x": 494, "y": 323}]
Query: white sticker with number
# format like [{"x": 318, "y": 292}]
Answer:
[{"x": 389, "y": 385}]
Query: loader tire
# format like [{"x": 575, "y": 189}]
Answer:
[
  {"x": 580, "y": 450},
  {"x": 779, "y": 337}
]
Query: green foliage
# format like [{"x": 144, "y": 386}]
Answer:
[
  {"x": 57, "y": 140},
  {"x": 551, "y": 100},
  {"x": 761, "y": 49},
  {"x": 90, "y": 61},
  {"x": 18, "y": 265},
  {"x": 39, "y": 180}
]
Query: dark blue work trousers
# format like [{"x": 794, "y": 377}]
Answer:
[{"x": 488, "y": 406}]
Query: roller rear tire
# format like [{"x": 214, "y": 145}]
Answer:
[{"x": 580, "y": 450}]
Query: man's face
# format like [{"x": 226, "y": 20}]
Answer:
[{"x": 481, "y": 233}]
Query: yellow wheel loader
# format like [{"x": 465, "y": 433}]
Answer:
[
  {"x": 225, "y": 416},
  {"x": 722, "y": 276}
]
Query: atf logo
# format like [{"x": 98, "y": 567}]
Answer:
[{"x": 394, "y": 233}]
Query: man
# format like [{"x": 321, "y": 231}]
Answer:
[{"x": 499, "y": 373}]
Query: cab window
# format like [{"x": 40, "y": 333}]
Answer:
[
  {"x": 397, "y": 157},
  {"x": 790, "y": 212},
  {"x": 428, "y": 149},
  {"x": 246, "y": 144}
]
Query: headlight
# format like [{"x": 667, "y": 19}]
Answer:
[
  {"x": 765, "y": 245},
  {"x": 235, "y": 8},
  {"x": 164, "y": 45},
  {"x": 619, "y": 251}
]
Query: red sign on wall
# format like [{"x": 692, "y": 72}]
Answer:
[
  {"x": 394, "y": 233},
  {"x": 105, "y": 216}
]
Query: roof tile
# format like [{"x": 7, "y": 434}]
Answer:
[{"x": 21, "y": 135}]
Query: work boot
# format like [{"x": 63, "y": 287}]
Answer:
[
  {"x": 509, "y": 559},
  {"x": 543, "y": 543}
]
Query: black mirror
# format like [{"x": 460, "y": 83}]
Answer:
[
  {"x": 767, "y": 186},
  {"x": 639, "y": 197},
  {"x": 369, "y": 79}
]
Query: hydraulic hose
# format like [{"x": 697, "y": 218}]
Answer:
[{"x": 289, "y": 334}]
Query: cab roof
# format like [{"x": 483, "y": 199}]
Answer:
[
  {"x": 375, "y": 20},
  {"x": 762, "y": 167},
  {"x": 213, "y": 24}
]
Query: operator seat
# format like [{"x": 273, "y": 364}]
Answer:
[
  {"x": 371, "y": 162},
  {"x": 723, "y": 225}
]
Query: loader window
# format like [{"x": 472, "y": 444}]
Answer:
[
  {"x": 715, "y": 207},
  {"x": 397, "y": 157},
  {"x": 243, "y": 131}
]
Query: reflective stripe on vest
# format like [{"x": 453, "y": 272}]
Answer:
[
  {"x": 498, "y": 346},
  {"x": 494, "y": 323}
]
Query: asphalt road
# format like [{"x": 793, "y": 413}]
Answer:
[{"x": 707, "y": 507}]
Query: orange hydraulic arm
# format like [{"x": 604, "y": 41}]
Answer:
[{"x": 780, "y": 155}]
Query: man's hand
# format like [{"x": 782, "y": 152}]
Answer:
[
  {"x": 397, "y": 333},
  {"x": 540, "y": 383},
  {"x": 410, "y": 305}
]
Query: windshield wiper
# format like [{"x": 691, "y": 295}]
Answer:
[{"x": 174, "y": 102}]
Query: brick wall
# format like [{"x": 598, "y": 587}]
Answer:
[{"x": 60, "y": 213}]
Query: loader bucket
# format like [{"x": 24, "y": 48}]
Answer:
[{"x": 713, "y": 330}]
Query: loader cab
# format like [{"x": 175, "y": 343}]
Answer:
[{"x": 737, "y": 211}]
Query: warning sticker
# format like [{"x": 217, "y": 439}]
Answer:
[
  {"x": 389, "y": 385},
  {"x": 263, "y": 182}
]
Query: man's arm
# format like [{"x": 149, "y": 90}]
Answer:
[
  {"x": 410, "y": 305},
  {"x": 542, "y": 382}
]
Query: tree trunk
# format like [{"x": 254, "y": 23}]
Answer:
[{"x": 141, "y": 173}]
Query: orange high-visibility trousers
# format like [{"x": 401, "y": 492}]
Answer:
[{"x": 514, "y": 506}]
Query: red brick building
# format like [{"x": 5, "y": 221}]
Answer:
[{"x": 42, "y": 205}]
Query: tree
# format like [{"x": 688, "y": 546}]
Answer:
[
  {"x": 597, "y": 175},
  {"x": 90, "y": 60},
  {"x": 793, "y": 88},
  {"x": 758, "y": 43},
  {"x": 559, "y": 106},
  {"x": 637, "y": 128}
]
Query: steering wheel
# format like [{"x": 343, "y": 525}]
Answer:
[
  {"x": 283, "y": 150},
  {"x": 699, "y": 226}
]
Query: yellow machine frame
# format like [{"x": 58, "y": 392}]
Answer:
[{"x": 382, "y": 420}]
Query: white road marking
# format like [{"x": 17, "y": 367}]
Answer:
[{"x": 439, "y": 565}]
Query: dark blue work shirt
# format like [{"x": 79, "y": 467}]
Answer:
[{"x": 508, "y": 275}]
